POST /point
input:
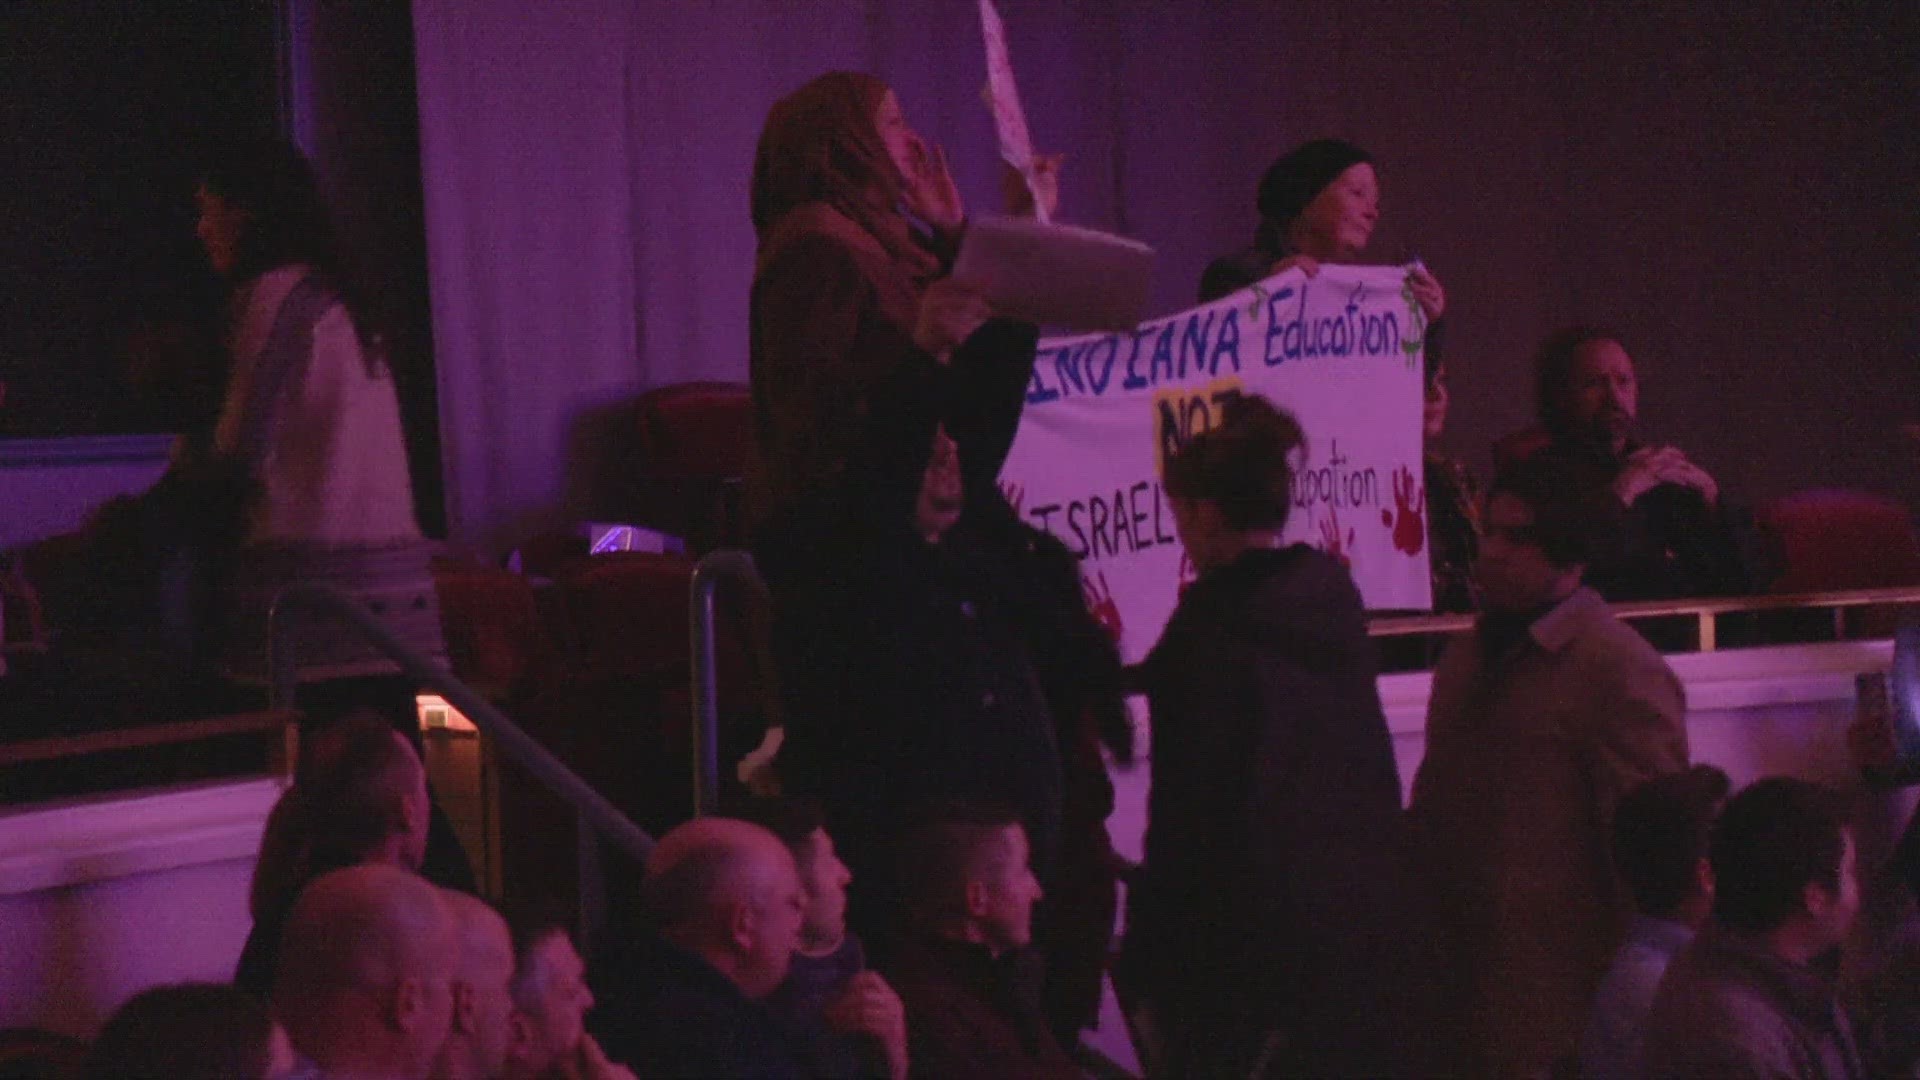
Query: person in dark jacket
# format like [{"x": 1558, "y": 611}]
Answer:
[
  {"x": 1676, "y": 537},
  {"x": 1261, "y": 918},
  {"x": 1077, "y": 659},
  {"x": 909, "y": 682},
  {"x": 964, "y": 969},
  {"x": 723, "y": 902},
  {"x": 360, "y": 797}
]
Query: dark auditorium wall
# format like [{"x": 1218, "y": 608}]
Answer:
[{"x": 1732, "y": 185}]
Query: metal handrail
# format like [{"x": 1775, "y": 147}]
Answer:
[
  {"x": 716, "y": 568},
  {"x": 593, "y": 808},
  {"x": 1705, "y": 609}
]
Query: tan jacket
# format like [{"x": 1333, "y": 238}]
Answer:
[{"x": 1527, "y": 755}]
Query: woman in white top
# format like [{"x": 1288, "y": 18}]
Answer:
[
  {"x": 310, "y": 460},
  {"x": 309, "y": 434}
]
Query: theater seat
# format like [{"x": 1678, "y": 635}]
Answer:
[
  {"x": 496, "y": 637},
  {"x": 1513, "y": 449},
  {"x": 627, "y": 615},
  {"x": 1837, "y": 538},
  {"x": 693, "y": 444}
]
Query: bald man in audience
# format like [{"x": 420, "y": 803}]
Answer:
[
  {"x": 365, "y": 980},
  {"x": 482, "y": 1025},
  {"x": 725, "y": 903}
]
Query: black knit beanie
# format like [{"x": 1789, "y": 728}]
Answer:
[{"x": 1293, "y": 181}]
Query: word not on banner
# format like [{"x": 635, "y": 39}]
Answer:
[{"x": 1341, "y": 350}]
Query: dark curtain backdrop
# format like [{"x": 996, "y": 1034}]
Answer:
[{"x": 1732, "y": 185}]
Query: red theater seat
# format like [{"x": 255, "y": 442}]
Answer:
[
  {"x": 696, "y": 429},
  {"x": 627, "y": 612},
  {"x": 693, "y": 445},
  {"x": 496, "y": 636},
  {"x": 1836, "y": 539}
]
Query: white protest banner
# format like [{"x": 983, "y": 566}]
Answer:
[
  {"x": 1342, "y": 351},
  {"x": 1003, "y": 99}
]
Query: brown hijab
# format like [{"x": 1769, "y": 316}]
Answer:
[{"x": 821, "y": 144}]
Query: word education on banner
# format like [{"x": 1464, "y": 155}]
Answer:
[{"x": 1342, "y": 351}]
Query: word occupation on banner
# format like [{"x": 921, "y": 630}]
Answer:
[{"x": 1342, "y": 351}]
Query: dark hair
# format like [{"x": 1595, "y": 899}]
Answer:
[
  {"x": 791, "y": 818},
  {"x": 1243, "y": 464},
  {"x": 188, "y": 1031},
  {"x": 941, "y": 854},
  {"x": 288, "y": 222},
  {"x": 1572, "y": 525},
  {"x": 1553, "y": 370},
  {"x": 1660, "y": 833},
  {"x": 1773, "y": 840},
  {"x": 342, "y": 805}
]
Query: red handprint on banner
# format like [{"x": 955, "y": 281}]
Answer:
[
  {"x": 1333, "y": 543},
  {"x": 1410, "y": 501},
  {"x": 1099, "y": 597}
]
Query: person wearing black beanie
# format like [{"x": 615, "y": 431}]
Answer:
[{"x": 1318, "y": 203}]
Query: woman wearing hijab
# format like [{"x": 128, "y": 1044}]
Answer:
[
  {"x": 886, "y": 401},
  {"x": 1318, "y": 203},
  {"x": 853, "y": 314}
]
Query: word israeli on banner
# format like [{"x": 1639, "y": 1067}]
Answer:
[
  {"x": 1342, "y": 351},
  {"x": 1003, "y": 99}
]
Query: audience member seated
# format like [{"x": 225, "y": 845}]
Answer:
[
  {"x": 725, "y": 904},
  {"x": 190, "y": 1031},
  {"x": 972, "y": 1000},
  {"x": 365, "y": 982},
  {"x": 1660, "y": 834},
  {"x": 1750, "y": 997},
  {"x": 1541, "y": 718},
  {"x": 482, "y": 1024},
  {"x": 550, "y": 1003},
  {"x": 1274, "y": 820},
  {"x": 1676, "y": 538},
  {"x": 361, "y": 798},
  {"x": 847, "y": 1015}
]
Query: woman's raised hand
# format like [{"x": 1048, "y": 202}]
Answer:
[
  {"x": 930, "y": 191},
  {"x": 1021, "y": 197},
  {"x": 1427, "y": 291},
  {"x": 950, "y": 311}
]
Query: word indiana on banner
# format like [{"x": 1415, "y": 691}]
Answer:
[{"x": 1342, "y": 351}]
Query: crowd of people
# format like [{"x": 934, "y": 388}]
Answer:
[{"x": 933, "y": 893}]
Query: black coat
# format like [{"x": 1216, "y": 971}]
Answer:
[
  {"x": 905, "y": 666},
  {"x": 908, "y": 684},
  {"x": 1273, "y": 825},
  {"x": 1668, "y": 545},
  {"x": 665, "y": 1012}
]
